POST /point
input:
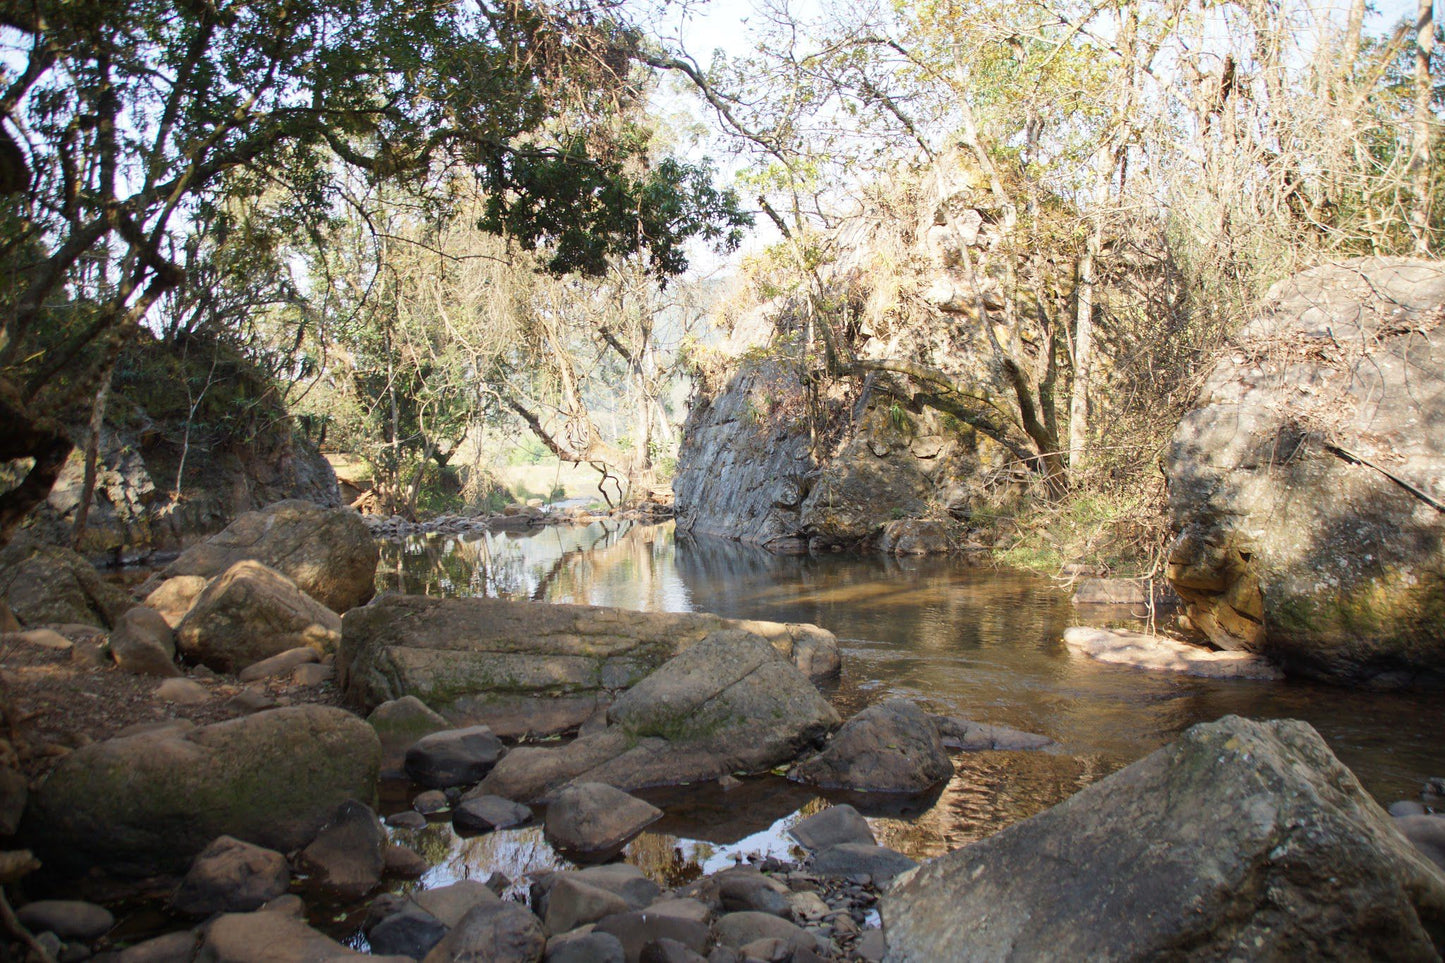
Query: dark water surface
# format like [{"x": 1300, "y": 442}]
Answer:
[{"x": 968, "y": 641}]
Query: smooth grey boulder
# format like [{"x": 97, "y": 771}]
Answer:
[
  {"x": 69, "y": 919},
  {"x": 142, "y": 643},
  {"x": 1241, "y": 834},
  {"x": 402, "y": 862},
  {"x": 346, "y": 857},
  {"x": 399, "y": 723},
  {"x": 740, "y": 889},
  {"x": 455, "y": 900},
  {"x": 453, "y": 757},
  {"x": 572, "y": 903},
  {"x": 591, "y": 947},
  {"x": 46, "y": 584},
  {"x": 231, "y": 876},
  {"x": 327, "y": 552},
  {"x": 968, "y": 736},
  {"x": 739, "y": 929},
  {"x": 668, "y": 951},
  {"x": 639, "y": 928},
  {"x": 1427, "y": 833},
  {"x": 178, "y": 947},
  {"x": 520, "y": 666},
  {"x": 410, "y": 931},
  {"x": 479, "y": 814},
  {"x": 1304, "y": 484},
  {"x": 623, "y": 879},
  {"x": 497, "y": 932},
  {"x": 891, "y": 747},
  {"x": 268, "y": 936},
  {"x": 590, "y": 822},
  {"x": 855, "y": 859},
  {"x": 834, "y": 825},
  {"x": 282, "y": 663},
  {"x": 729, "y": 703},
  {"x": 173, "y": 598},
  {"x": 146, "y": 804},
  {"x": 251, "y": 613}
]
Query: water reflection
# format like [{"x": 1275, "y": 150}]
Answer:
[{"x": 965, "y": 640}]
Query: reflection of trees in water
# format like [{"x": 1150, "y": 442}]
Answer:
[{"x": 559, "y": 563}]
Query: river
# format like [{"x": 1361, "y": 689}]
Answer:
[{"x": 961, "y": 639}]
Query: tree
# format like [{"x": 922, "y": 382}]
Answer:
[{"x": 131, "y": 124}]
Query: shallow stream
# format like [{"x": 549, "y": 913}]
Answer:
[{"x": 969, "y": 641}]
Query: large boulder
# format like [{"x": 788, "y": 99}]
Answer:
[
  {"x": 890, "y": 747},
  {"x": 47, "y": 584},
  {"x": 1242, "y": 837},
  {"x": 590, "y": 822},
  {"x": 252, "y": 613},
  {"x": 525, "y": 666},
  {"x": 231, "y": 876},
  {"x": 147, "y": 803},
  {"x": 729, "y": 703},
  {"x": 144, "y": 644},
  {"x": 1306, "y": 485},
  {"x": 328, "y": 552}
]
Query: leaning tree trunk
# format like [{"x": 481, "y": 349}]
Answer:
[
  {"x": 1420, "y": 147},
  {"x": 24, "y": 434},
  {"x": 92, "y": 455}
]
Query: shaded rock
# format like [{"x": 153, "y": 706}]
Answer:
[
  {"x": 969, "y": 736},
  {"x": 1165, "y": 654},
  {"x": 454, "y": 901},
  {"x": 453, "y": 757},
  {"x": 279, "y": 664},
  {"x": 590, "y": 947},
  {"x": 591, "y": 822},
  {"x": 637, "y": 929},
  {"x": 327, "y": 552},
  {"x": 872, "y": 946},
  {"x": 740, "y": 929},
  {"x": 1241, "y": 834},
  {"x": 399, "y": 723},
  {"x": 683, "y": 908},
  {"x": 497, "y": 932},
  {"x": 68, "y": 919},
  {"x": 8, "y": 621},
  {"x": 253, "y": 699},
  {"x": 346, "y": 856},
  {"x": 520, "y": 666},
  {"x": 831, "y": 827},
  {"x": 401, "y": 862},
  {"x": 854, "y": 859},
  {"x": 407, "y": 819},
  {"x": 431, "y": 801},
  {"x": 741, "y": 889},
  {"x": 1301, "y": 484},
  {"x": 173, "y": 598},
  {"x": 572, "y": 903},
  {"x": 251, "y": 613},
  {"x": 47, "y": 584},
  {"x": 729, "y": 703},
  {"x": 668, "y": 951},
  {"x": 914, "y": 536},
  {"x": 475, "y": 815},
  {"x": 231, "y": 876},
  {"x": 892, "y": 747},
  {"x": 142, "y": 643},
  {"x": 171, "y": 948},
  {"x": 410, "y": 931},
  {"x": 45, "y": 639},
  {"x": 312, "y": 674},
  {"x": 268, "y": 937},
  {"x": 1406, "y": 807},
  {"x": 148, "y": 803},
  {"x": 183, "y": 692},
  {"x": 14, "y": 793},
  {"x": 1427, "y": 833}
]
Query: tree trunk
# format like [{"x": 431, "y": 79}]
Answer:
[
  {"x": 24, "y": 435},
  {"x": 92, "y": 454},
  {"x": 1420, "y": 146}
]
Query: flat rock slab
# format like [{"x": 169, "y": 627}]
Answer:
[
  {"x": 519, "y": 666},
  {"x": 968, "y": 736},
  {"x": 1241, "y": 834},
  {"x": 1163, "y": 654}
]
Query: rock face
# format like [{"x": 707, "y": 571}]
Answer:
[
  {"x": 44, "y": 583},
  {"x": 891, "y": 747},
  {"x": 327, "y": 552},
  {"x": 1306, "y": 485},
  {"x": 519, "y": 666},
  {"x": 147, "y": 803},
  {"x": 729, "y": 703},
  {"x": 252, "y": 613},
  {"x": 1241, "y": 834}
]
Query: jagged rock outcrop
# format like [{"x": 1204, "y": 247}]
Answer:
[
  {"x": 525, "y": 666},
  {"x": 1307, "y": 486},
  {"x": 233, "y": 445}
]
